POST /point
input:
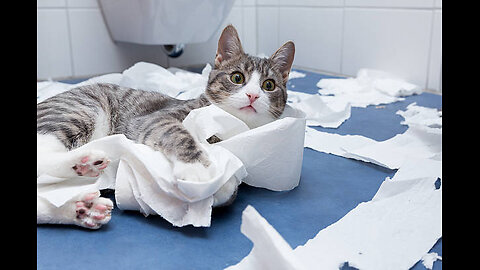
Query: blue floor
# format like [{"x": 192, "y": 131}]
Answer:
[{"x": 330, "y": 187}]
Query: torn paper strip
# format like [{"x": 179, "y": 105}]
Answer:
[
  {"x": 319, "y": 110},
  {"x": 421, "y": 116},
  {"x": 144, "y": 76},
  {"x": 295, "y": 74},
  {"x": 393, "y": 231},
  {"x": 370, "y": 87},
  {"x": 143, "y": 178},
  {"x": 429, "y": 259},
  {"x": 388, "y": 233},
  {"x": 270, "y": 250},
  {"x": 332, "y": 143},
  {"x": 416, "y": 142}
]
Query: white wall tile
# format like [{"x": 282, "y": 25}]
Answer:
[
  {"x": 393, "y": 40},
  {"x": 94, "y": 52},
  {"x": 249, "y": 37},
  {"x": 82, "y": 3},
  {"x": 435, "y": 67},
  {"x": 249, "y": 3},
  {"x": 317, "y": 33},
  {"x": 53, "y": 48},
  {"x": 267, "y": 30},
  {"x": 438, "y": 3},
  {"x": 336, "y": 3},
  {"x": 390, "y": 3},
  {"x": 202, "y": 53},
  {"x": 51, "y": 3},
  {"x": 267, "y": 2}
]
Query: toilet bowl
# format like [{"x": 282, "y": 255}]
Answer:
[{"x": 162, "y": 22}]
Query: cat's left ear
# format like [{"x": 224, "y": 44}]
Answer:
[{"x": 283, "y": 59}]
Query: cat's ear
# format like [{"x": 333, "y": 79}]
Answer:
[
  {"x": 283, "y": 59},
  {"x": 228, "y": 45}
]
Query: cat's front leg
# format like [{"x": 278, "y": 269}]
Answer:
[{"x": 190, "y": 161}]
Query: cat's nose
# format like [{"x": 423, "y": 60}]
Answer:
[{"x": 252, "y": 97}]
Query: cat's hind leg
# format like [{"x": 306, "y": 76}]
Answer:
[
  {"x": 54, "y": 159},
  {"x": 87, "y": 210}
]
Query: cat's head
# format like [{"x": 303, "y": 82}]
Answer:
[{"x": 248, "y": 87}]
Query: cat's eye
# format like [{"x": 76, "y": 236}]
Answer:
[
  {"x": 237, "y": 78},
  {"x": 268, "y": 85}
]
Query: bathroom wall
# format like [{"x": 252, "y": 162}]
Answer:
[
  {"x": 335, "y": 36},
  {"x": 73, "y": 42},
  {"x": 341, "y": 36}
]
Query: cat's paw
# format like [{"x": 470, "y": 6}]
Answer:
[
  {"x": 91, "y": 163},
  {"x": 227, "y": 193},
  {"x": 92, "y": 211},
  {"x": 195, "y": 172}
]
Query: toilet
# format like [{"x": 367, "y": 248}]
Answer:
[{"x": 164, "y": 22}]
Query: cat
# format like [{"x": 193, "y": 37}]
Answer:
[{"x": 251, "y": 88}]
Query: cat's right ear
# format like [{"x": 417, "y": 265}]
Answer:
[{"x": 228, "y": 45}]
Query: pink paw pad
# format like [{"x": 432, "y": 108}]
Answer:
[
  {"x": 92, "y": 211},
  {"x": 91, "y": 167}
]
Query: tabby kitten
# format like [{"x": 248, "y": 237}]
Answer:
[{"x": 250, "y": 88}]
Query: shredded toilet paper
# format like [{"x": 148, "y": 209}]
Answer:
[
  {"x": 394, "y": 230},
  {"x": 320, "y": 110},
  {"x": 370, "y": 87},
  {"x": 143, "y": 178},
  {"x": 423, "y": 139},
  {"x": 416, "y": 115},
  {"x": 429, "y": 259}
]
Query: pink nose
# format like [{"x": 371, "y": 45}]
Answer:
[{"x": 252, "y": 97}]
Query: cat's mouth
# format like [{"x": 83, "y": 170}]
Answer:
[{"x": 248, "y": 108}]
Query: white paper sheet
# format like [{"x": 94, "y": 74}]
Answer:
[
  {"x": 370, "y": 87},
  {"x": 416, "y": 142},
  {"x": 180, "y": 84},
  {"x": 421, "y": 116},
  {"x": 392, "y": 231},
  {"x": 270, "y": 250},
  {"x": 295, "y": 74},
  {"x": 320, "y": 110},
  {"x": 429, "y": 259},
  {"x": 143, "y": 178}
]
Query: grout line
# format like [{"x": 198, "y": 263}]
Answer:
[
  {"x": 342, "y": 38},
  {"x": 320, "y": 71},
  {"x": 430, "y": 43},
  {"x": 65, "y": 7},
  {"x": 256, "y": 31},
  {"x": 346, "y": 6},
  {"x": 70, "y": 42}
]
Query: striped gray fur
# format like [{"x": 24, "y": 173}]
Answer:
[
  {"x": 155, "y": 119},
  {"x": 145, "y": 117}
]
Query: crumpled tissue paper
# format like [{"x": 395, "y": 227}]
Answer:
[
  {"x": 423, "y": 139},
  {"x": 394, "y": 230},
  {"x": 143, "y": 178},
  {"x": 320, "y": 110},
  {"x": 370, "y": 87}
]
